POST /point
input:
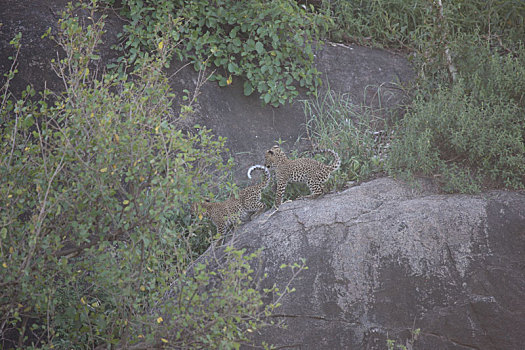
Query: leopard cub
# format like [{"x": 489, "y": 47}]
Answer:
[
  {"x": 305, "y": 170},
  {"x": 228, "y": 212}
]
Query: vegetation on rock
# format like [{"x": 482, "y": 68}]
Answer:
[
  {"x": 465, "y": 126},
  {"x": 269, "y": 45}
]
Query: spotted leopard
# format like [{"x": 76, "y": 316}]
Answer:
[
  {"x": 305, "y": 170},
  {"x": 232, "y": 210}
]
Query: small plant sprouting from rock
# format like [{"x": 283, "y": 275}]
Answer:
[{"x": 409, "y": 344}]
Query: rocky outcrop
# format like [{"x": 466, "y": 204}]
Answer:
[{"x": 385, "y": 259}]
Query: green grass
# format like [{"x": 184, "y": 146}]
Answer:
[
  {"x": 352, "y": 131},
  {"x": 466, "y": 125}
]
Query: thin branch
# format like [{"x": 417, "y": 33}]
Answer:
[
  {"x": 41, "y": 216},
  {"x": 14, "y": 65},
  {"x": 451, "y": 68},
  {"x": 14, "y": 140}
]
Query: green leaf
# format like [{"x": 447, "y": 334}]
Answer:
[
  {"x": 259, "y": 47},
  {"x": 232, "y": 67},
  {"x": 29, "y": 121},
  {"x": 248, "y": 88}
]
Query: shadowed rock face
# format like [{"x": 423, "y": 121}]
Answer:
[
  {"x": 32, "y": 19},
  {"x": 385, "y": 259},
  {"x": 366, "y": 76}
]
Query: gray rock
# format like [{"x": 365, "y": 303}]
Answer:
[
  {"x": 385, "y": 259},
  {"x": 33, "y": 19}
]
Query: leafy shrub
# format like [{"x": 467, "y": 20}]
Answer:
[
  {"x": 268, "y": 43},
  {"x": 489, "y": 74},
  {"x": 94, "y": 230},
  {"x": 146, "y": 20}
]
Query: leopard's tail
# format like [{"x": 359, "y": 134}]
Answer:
[
  {"x": 337, "y": 160},
  {"x": 266, "y": 180}
]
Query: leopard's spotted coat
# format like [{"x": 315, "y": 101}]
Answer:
[
  {"x": 229, "y": 212},
  {"x": 306, "y": 170}
]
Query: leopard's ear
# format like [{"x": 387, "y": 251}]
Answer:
[{"x": 269, "y": 152}]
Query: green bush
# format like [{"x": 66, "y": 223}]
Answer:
[
  {"x": 267, "y": 43},
  {"x": 94, "y": 225},
  {"x": 462, "y": 139},
  {"x": 489, "y": 74}
]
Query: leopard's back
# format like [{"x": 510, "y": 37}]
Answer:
[
  {"x": 251, "y": 196},
  {"x": 306, "y": 170},
  {"x": 234, "y": 209}
]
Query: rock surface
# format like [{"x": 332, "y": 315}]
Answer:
[
  {"x": 385, "y": 259},
  {"x": 33, "y": 19}
]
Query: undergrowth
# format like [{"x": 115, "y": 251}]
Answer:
[
  {"x": 95, "y": 236},
  {"x": 465, "y": 127}
]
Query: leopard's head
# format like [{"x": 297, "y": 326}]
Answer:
[{"x": 274, "y": 156}]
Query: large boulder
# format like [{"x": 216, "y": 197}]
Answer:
[{"x": 385, "y": 259}]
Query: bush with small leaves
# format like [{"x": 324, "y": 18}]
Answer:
[{"x": 94, "y": 223}]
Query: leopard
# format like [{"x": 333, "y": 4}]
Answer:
[
  {"x": 304, "y": 170},
  {"x": 232, "y": 210}
]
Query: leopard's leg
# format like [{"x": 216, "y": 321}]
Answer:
[
  {"x": 315, "y": 188},
  {"x": 279, "y": 192},
  {"x": 221, "y": 227},
  {"x": 260, "y": 208}
]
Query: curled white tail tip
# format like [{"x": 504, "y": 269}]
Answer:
[{"x": 257, "y": 166}]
